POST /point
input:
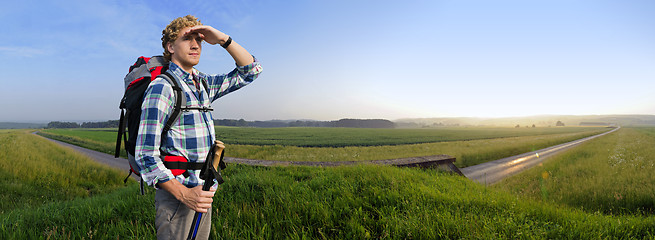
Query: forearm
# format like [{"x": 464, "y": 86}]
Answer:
[
  {"x": 240, "y": 55},
  {"x": 174, "y": 187}
]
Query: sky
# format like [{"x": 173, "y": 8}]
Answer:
[{"x": 327, "y": 60}]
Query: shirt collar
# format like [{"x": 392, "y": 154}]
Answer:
[{"x": 185, "y": 76}]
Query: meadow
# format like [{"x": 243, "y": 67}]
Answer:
[
  {"x": 469, "y": 145},
  {"x": 34, "y": 171},
  {"x": 356, "y": 202}
]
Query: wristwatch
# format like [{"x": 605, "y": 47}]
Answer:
[{"x": 227, "y": 43}]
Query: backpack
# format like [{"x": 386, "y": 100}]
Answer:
[{"x": 139, "y": 76}]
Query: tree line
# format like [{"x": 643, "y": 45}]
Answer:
[
  {"x": 346, "y": 122},
  {"x": 105, "y": 124}
]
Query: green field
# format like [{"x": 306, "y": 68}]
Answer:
[
  {"x": 34, "y": 171},
  {"x": 367, "y": 202},
  {"x": 345, "y": 137},
  {"x": 351, "y": 137},
  {"x": 481, "y": 144}
]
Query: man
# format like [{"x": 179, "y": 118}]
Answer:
[{"x": 193, "y": 134}]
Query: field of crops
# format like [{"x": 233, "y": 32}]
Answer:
[
  {"x": 481, "y": 144},
  {"x": 346, "y": 137}
]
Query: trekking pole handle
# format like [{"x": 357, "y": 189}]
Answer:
[
  {"x": 212, "y": 171},
  {"x": 218, "y": 154}
]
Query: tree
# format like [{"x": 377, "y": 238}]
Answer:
[
  {"x": 559, "y": 124},
  {"x": 107, "y": 124},
  {"x": 57, "y": 124}
]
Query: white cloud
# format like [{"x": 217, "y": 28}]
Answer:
[{"x": 20, "y": 51}]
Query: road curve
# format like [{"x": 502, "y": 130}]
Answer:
[{"x": 494, "y": 171}]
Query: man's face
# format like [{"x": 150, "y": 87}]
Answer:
[{"x": 186, "y": 50}]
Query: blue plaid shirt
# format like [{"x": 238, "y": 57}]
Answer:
[{"x": 193, "y": 134}]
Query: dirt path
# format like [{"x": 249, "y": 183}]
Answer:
[{"x": 107, "y": 159}]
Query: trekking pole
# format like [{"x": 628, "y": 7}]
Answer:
[{"x": 210, "y": 171}]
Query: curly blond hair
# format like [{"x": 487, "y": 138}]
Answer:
[{"x": 171, "y": 32}]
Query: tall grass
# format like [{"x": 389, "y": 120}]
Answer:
[
  {"x": 611, "y": 175},
  {"x": 90, "y": 139},
  {"x": 361, "y": 202},
  {"x": 35, "y": 171}
]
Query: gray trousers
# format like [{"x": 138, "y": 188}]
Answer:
[{"x": 173, "y": 219}]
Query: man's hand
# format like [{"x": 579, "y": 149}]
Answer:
[
  {"x": 194, "y": 198},
  {"x": 213, "y": 36},
  {"x": 208, "y": 33},
  {"x": 197, "y": 199}
]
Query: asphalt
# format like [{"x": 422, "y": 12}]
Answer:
[{"x": 492, "y": 172}]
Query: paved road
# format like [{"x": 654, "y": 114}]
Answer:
[{"x": 494, "y": 171}]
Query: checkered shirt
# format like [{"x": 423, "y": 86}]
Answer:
[{"x": 193, "y": 134}]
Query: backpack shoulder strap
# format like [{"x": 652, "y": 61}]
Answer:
[
  {"x": 206, "y": 85},
  {"x": 180, "y": 99}
]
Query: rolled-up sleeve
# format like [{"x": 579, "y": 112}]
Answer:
[
  {"x": 156, "y": 107},
  {"x": 222, "y": 84}
]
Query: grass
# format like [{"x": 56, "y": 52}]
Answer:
[
  {"x": 468, "y": 152},
  {"x": 360, "y": 202},
  {"x": 610, "y": 175},
  {"x": 34, "y": 171},
  {"x": 98, "y": 140}
]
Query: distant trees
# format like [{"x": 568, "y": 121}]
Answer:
[
  {"x": 299, "y": 123},
  {"x": 518, "y": 126},
  {"x": 57, "y": 124},
  {"x": 364, "y": 123},
  {"x": 559, "y": 124},
  {"x": 231, "y": 122},
  {"x": 350, "y": 123},
  {"x": 106, "y": 124}
]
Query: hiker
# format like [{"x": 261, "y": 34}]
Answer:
[{"x": 192, "y": 135}]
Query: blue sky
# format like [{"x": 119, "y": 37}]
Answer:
[{"x": 326, "y": 60}]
